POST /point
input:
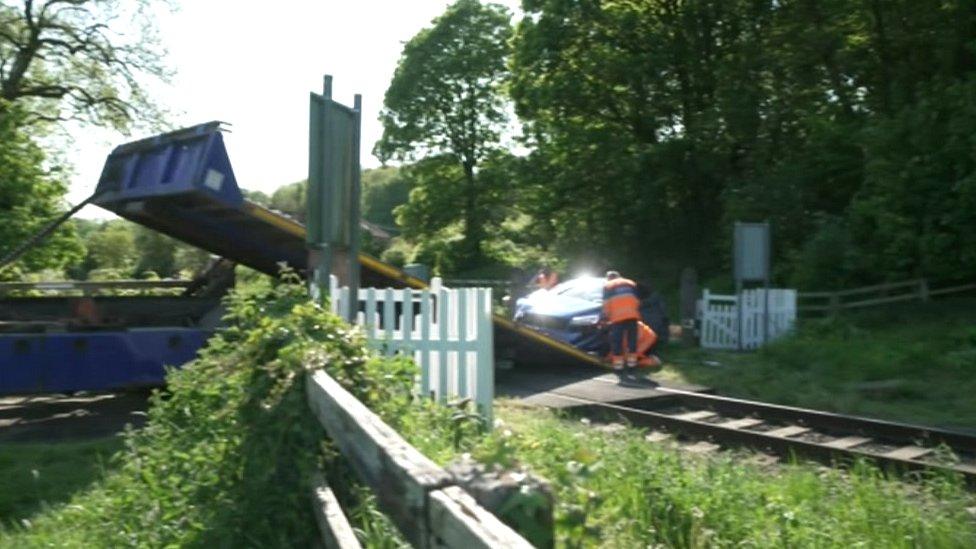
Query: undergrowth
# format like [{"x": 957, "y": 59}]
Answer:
[
  {"x": 614, "y": 489},
  {"x": 227, "y": 452},
  {"x": 226, "y": 455},
  {"x": 911, "y": 363}
]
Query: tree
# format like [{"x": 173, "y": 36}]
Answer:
[
  {"x": 113, "y": 248},
  {"x": 290, "y": 199},
  {"x": 30, "y": 197},
  {"x": 383, "y": 190},
  {"x": 81, "y": 60},
  {"x": 446, "y": 100}
]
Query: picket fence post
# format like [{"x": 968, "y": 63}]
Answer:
[{"x": 453, "y": 324}]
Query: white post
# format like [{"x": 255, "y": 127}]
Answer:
[
  {"x": 334, "y": 297},
  {"x": 426, "y": 320},
  {"x": 442, "y": 325},
  {"x": 389, "y": 320},
  {"x": 486, "y": 357},
  {"x": 370, "y": 320},
  {"x": 462, "y": 335}
]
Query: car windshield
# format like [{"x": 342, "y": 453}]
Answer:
[{"x": 589, "y": 288}]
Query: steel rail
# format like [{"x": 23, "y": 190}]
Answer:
[
  {"x": 878, "y": 429},
  {"x": 781, "y": 441}
]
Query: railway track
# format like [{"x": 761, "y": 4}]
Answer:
[{"x": 834, "y": 439}]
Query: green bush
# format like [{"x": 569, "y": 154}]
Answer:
[{"x": 227, "y": 452}]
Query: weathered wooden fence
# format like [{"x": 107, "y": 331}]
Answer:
[
  {"x": 420, "y": 497},
  {"x": 447, "y": 331},
  {"x": 720, "y": 317},
  {"x": 879, "y": 294}
]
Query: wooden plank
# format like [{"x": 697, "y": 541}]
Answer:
[
  {"x": 457, "y": 521},
  {"x": 426, "y": 320},
  {"x": 952, "y": 289},
  {"x": 878, "y": 301},
  {"x": 743, "y": 423},
  {"x": 814, "y": 295},
  {"x": 847, "y": 442},
  {"x": 879, "y": 287},
  {"x": 788, "y": 431},
  {"x": 909, "y": 452},
  {"x": 336, "y": 531},
  {"x": 462, "y": 314},
  {"x": 697, "y": 415},
  {"x": 399, "y": 475}
]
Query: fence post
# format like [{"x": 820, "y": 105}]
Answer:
[
  {"x": 442, "y": 328},
  {"x": 426, "y": 321},
  {"x": 486, "y": 357},
  {"x": 834, "y": 303},
  {"x": 462, "y": 335},
  {"x": 689, "y": 295}
]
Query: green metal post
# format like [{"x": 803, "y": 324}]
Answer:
[{"x": 333, "y": 193}]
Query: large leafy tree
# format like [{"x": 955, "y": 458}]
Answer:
[
  {"x": 30, "y": 195},
  {"x": 657, "y": 123},
  {"x": 85, "y": 60},
  {"x": 80, "y": 60},
  {"x": 446, "y": 101}
]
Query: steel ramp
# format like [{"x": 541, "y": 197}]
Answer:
[{"x": 182, "y": 185}]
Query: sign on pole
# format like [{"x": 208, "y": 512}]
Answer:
[
  {"x": 333, "y": 191},
  {"x": 751, "y": 252}
]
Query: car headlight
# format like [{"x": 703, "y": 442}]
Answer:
[{"x": 585, "y": 320}]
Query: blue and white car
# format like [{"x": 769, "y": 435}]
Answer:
[{"x": 570, "y": 312}]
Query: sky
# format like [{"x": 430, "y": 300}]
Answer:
[{"x": 252, "y": 64}]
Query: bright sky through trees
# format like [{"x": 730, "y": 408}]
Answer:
[{"x": 253, "y": 63}]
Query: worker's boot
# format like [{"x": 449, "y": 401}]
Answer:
[{"x": 617, "y": 362}]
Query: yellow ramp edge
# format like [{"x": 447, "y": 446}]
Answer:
[{"x": 370, "y": 262}]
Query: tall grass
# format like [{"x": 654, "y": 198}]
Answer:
[
  {"x": 914, "y": 363},
  {"x": 617, "y": 490}
]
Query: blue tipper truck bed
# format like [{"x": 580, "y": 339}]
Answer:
[{"x": 182, "y": 184}]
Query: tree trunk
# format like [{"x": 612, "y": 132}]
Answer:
[{"x": 473, "y": 220}]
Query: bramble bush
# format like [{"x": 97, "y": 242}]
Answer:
[{"x": 229, "y": 447}]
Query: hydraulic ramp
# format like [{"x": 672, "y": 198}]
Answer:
[{"x": 182, "y": 185}]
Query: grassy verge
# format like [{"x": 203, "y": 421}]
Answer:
[
  {"x": 225, "y": 458},
  {"x": 35, "y": 477},
  {"x": 616, "y": 490},
  {"x": 912, "y": 363}
]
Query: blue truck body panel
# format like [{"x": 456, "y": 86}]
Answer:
[{"x": 86, "y": 361}]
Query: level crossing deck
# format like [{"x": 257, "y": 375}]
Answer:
[{"x": 570, "y": 386}]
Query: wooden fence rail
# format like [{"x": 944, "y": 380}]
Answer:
[
  {"x": 420, "y": 497},
  {"x": 878, "y": 294}
]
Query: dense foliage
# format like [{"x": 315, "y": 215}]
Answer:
[
  {"x": 445, "y": 105},
  {"x": 85, "y": 60},
  {"x": 30, "y": 196},
  {"x": 226, "y": 456},
  {"x": 652, "y": 126}
]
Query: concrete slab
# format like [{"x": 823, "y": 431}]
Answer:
[{"x": 565, "y": 388}]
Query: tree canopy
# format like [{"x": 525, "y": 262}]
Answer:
[
  {"x": 446, "y": 101},
  {"x": 86, "y": 60}
]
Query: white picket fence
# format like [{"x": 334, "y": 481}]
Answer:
[
  {"x": 448, "y": 332},
  {"x": 719, "y": 318}
]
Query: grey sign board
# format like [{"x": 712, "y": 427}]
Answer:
[{"x": 751, "y": 252}]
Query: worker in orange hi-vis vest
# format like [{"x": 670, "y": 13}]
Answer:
[{"x": 621, "y": 309}]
